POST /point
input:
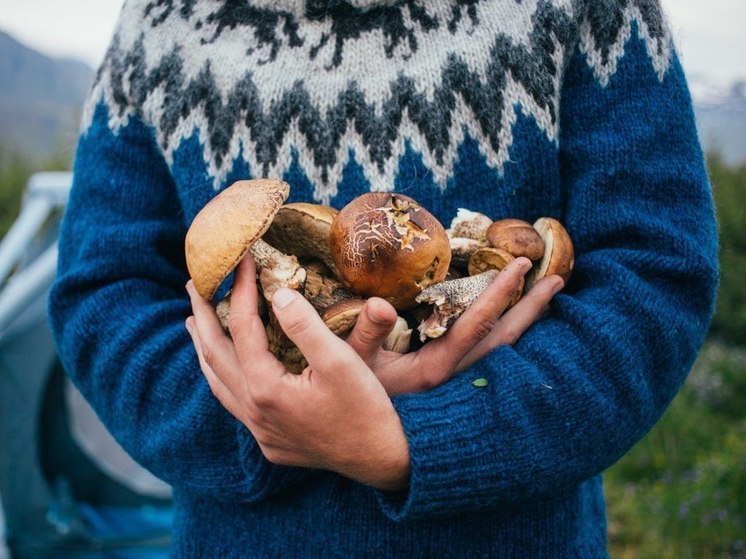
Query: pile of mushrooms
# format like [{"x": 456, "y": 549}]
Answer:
[{"x": 381, "y": 244}]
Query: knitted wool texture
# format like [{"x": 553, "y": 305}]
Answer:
[{"x": 571, "y": 109}]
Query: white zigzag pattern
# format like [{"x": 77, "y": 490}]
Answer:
[{"x": 463, "y": 123}]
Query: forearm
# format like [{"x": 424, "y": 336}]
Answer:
[
  {"x": 117, "y": 311},
  {"x": 582, "y": 386}
]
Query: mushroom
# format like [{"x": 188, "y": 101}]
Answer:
[
  {"x": 342, "y": 315},
  {"x": 491, "y": 258},
  {"x": 462, "y": 249},
  {"x": 467, "y": 234},
  {"x": 303, "y": 230},
  {"x": 387, "y": 245},
  {"x": 399, "y": 338},
  {"x": 517, "y": 237},
  {"x": 559, "y": 254},
  {"x": 340, "y": 318},
  {"x": 230, "y": 225},
  {"x": 450, "y": 299},
  {"x": 469, "y": 225}
]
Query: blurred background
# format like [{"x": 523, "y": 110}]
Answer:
[{"x": 681, "y": 492}]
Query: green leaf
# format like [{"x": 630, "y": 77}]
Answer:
[{"x": 480, "y": 382}]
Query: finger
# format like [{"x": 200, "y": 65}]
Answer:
[
  {"x": 245, "y": 324},
  {"x": 480, "y": 318},
  {"x": 217, "y": 349},
  {"x": 374, "y": 324},
  {"x": 514, "y": 323},
  {"x": 303, "y": 325},
  {"x": 218, "y": 388}
]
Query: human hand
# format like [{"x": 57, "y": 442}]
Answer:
[
  {"x": 483, "y": 327},
  {"x": 336, "y": 415}
]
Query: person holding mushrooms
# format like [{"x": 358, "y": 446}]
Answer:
[{"x": 488, "y": 441}]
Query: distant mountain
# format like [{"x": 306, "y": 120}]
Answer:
[
  {"x": 721, "y": 117},
  {"x": 40, "y": 99}
]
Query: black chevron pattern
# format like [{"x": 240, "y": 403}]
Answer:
[{"x": 533, "y": 66}]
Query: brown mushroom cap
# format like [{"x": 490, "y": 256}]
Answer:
[
  {"x": 516, "y": 236},
  {"x": 303, "y": 230},
  {"x": 342, "y": 315},
  {"x": 226, "y": 227},
  {"x": 387, "y": 245},
  {"x": 559, "y": 255}
]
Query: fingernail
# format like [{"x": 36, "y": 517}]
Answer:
[
  {"x": 558, "y": 285},
  {"x": 376, "y": 313},
  {"x": 190, "y": 287},
  {"x": 283, "y": 297},
  {"x": 188, "y": 325},
  {"x": 524, "y": 264}
]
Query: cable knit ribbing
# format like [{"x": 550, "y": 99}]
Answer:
[{"x": 576, "y": 110}]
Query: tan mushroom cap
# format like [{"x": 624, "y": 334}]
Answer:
[
  {"x": 491, "y": 258},
  {"x": 559, "y": 254},
  {"x": 226, "y": 227},
  {"x": 303, "y": 230},
  {"x": 516, "y": 236}
]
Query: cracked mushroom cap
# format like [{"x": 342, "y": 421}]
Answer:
[
  {"x": 303, "y": 230},
  {"x": 227, "y": 226},
  {"x": 386, "y": 245}
]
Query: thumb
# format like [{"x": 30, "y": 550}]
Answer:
[
  {"x": 303, "y": 325},
  {"x": 372, "y": 327}
]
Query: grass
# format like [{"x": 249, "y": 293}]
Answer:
[{"x": 681, "y": 492}]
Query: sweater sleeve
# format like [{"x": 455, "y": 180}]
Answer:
[
  {"x": 117, "y": 311},
  {"x": 584, "y": 384}
]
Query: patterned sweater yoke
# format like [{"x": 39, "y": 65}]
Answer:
[
  {"x": 575, "y": 109},
  {"x": 265, "y": 81}
]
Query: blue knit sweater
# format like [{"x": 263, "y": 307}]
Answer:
[{"x": 575, "y": 109}]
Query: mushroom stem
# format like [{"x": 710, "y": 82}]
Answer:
[
  {"x": 450, "y": 299},
  {"x": 278, "y": 269}
]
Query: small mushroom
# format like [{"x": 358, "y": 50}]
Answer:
[
  {"x": 399, "y": 338},
  {"x": 559, "y": 254},
  {"x": 303, "y": 230},
  {"x": 387, "y": 245},
  {"x": 491, "y": 258},
  {"x": 462, "y": 249},
  {"x": 342, "y": 315},
  {"x": 469, "y": 225},
  {"x": 517, "y": 237},
  {"x": 230, "y": 225},
  {"x": 450, "y": 299}
]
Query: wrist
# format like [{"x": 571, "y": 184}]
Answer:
[{"x": 383, "y": 462}]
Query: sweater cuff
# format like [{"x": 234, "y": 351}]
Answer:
[
  {"x": 263, "y": 477},
  {"x": 450, "y": 472}
]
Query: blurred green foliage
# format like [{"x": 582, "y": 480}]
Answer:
[
  {"x": 681, "y": 492},
  {"x": 729, "y": 186}
]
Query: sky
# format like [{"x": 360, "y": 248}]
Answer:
[{"x": 711, "y": 34}]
